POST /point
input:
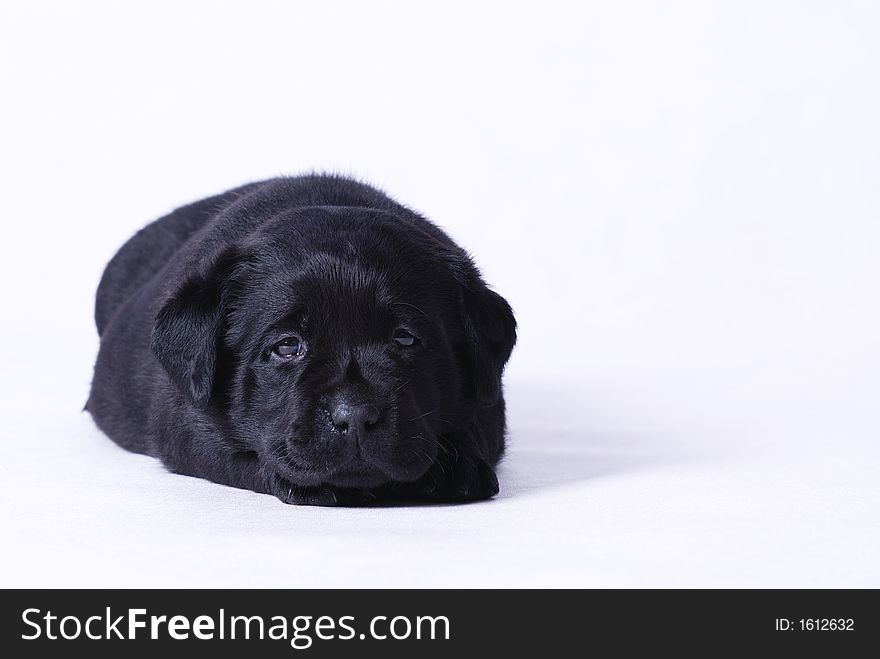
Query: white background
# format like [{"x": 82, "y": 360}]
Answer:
[{"x": 680, "y": 201}]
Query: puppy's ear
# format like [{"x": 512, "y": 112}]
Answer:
[
  {"x": 490, "y": 333},
  {"x": 189, "y": 326}
]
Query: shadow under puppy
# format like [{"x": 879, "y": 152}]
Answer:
[{"x": 307, "y": 337}]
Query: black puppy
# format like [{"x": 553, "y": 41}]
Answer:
[{"x": 307, "y": 337}]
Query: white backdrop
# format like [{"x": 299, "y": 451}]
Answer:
[{"x": 680, "y": 201}]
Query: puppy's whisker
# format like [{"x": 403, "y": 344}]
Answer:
[
  {"x": 285, "y": 459},
  {"x": 439, "y": 463},
  {"x": 424, "y": 456},
  {"x": 441, "y": 447},
  {"x": 422, "y": 416},
  {"x": 407, "y": 304},
  {"x": 401, "y": 386},
  {"x": 454, "y": 450}
]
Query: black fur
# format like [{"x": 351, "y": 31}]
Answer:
[{"x": 192, "y": 309}]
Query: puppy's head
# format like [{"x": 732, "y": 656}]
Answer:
[{"x": 338, "y": 344}]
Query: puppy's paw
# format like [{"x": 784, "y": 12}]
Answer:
[
  {"x": 458, "y": 476},
  {"x": 474, "y": 479},
  {"x": 321, "y": 495}
]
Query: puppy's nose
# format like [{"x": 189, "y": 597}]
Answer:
[{"x": 353, "y": 415}]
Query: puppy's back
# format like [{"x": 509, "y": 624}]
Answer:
[{"x": 147, "y": 252}]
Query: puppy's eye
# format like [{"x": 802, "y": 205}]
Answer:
[
  {"x": 404, "y": 338},
  {"x": 292, "y": 346}
]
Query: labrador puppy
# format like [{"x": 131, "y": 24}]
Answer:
[{"x": 306, "y": 337}]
